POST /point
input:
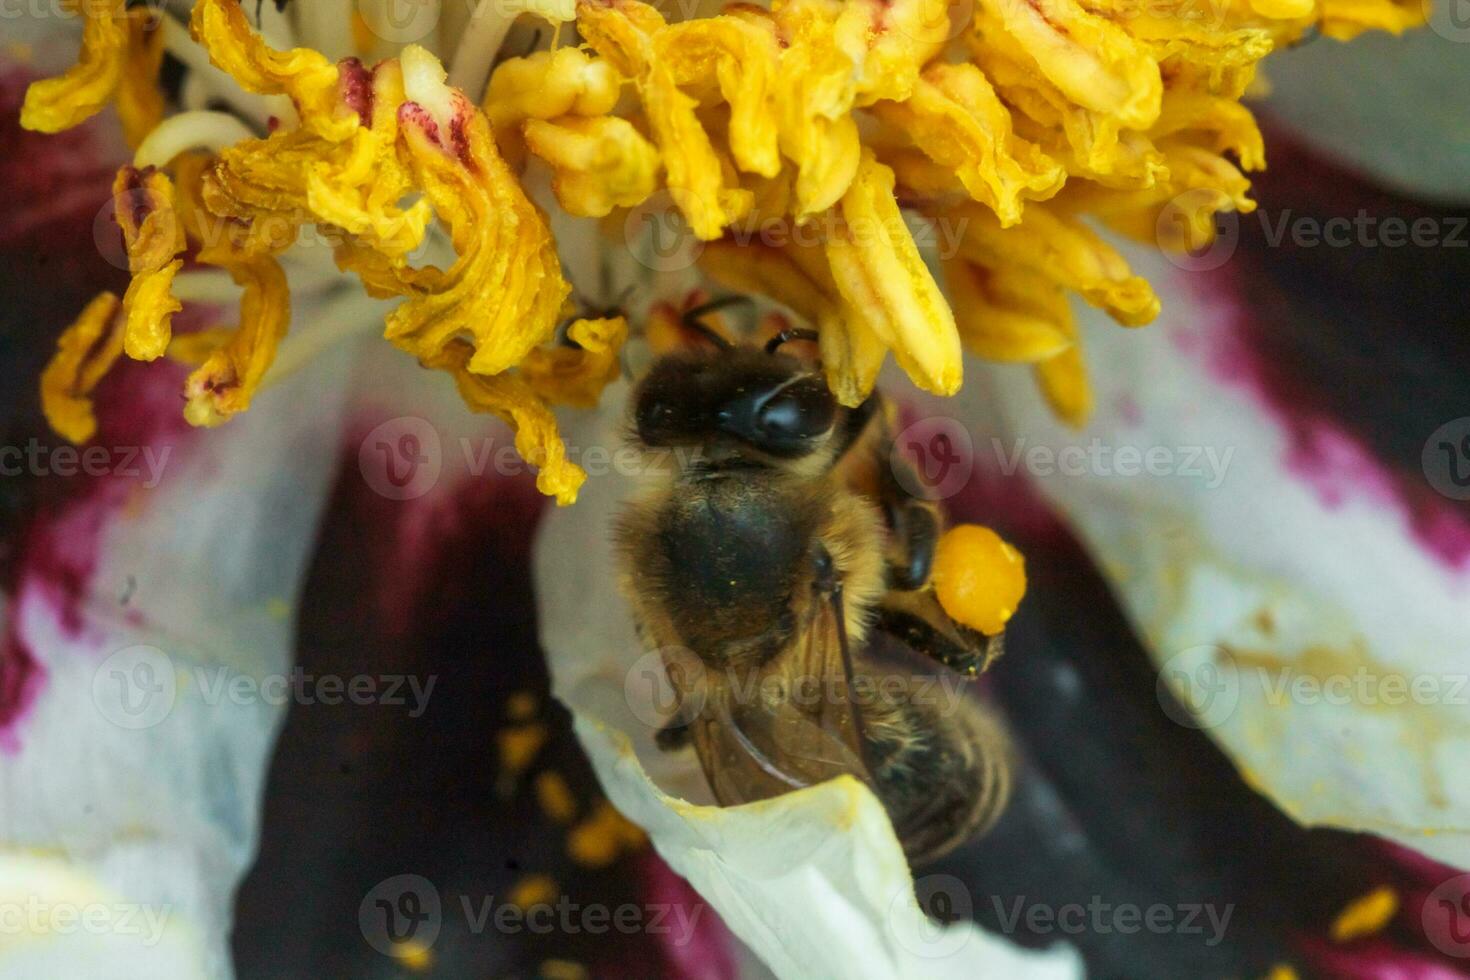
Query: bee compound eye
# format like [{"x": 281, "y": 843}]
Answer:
[{"x": 801, "y": 410}]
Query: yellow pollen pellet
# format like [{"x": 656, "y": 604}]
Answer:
[{"x": 979, "y": 578}]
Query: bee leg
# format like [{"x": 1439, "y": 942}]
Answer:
[
  {"x": 916, "y": 528},
  {"x": 678, "y": 731},
  {"x": 675, "y": 734},
  {"x": 913, "y": 521},
  {"x": 967, "y": 653}
]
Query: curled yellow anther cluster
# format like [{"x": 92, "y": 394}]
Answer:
[
  {"x": 371, "y": 158},
  {"x": 828, "y": 117},
  {"x": 816, "y": 148}
]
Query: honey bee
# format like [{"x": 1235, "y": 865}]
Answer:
[{"x": 786, "y": 556}]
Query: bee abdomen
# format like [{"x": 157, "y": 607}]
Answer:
[{"x": 941, "y": 769}]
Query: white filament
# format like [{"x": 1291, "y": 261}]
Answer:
[{"x": 197, "y": 130}]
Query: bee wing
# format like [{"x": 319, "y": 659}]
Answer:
[{"x": 790, "y": 725}]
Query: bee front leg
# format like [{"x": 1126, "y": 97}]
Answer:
[
  {"x": 676, "y": 733},
  {"x": 915, "y": 527}
]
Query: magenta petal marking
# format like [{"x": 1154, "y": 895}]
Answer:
[
  {"x": 21, "y": 680},
  {"x": 696, "y": 943},
  {"x": 1320, "y": 452}
]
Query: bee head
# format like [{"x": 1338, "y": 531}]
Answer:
[{"x": 735, "y": 398}]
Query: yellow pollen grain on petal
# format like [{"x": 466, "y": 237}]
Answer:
[
  {"x": 603, "y": 837},
  {"x": 54, "y": 104},
  {"x": 1366, "y": 915},
  {"x": 563, "y": 970},
  {"x": 555, "y": 797},
  {"x": 533, "y": 889},
  {"x": 522, "y": 706},
  {"x": 85, "y": 351},
  {"x": 415, "y": 956},
  {"x": 518, "y": 745},
  {"x": 978, "y": 578}
]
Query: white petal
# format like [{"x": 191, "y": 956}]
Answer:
[
  {"x": 141, "y": 762},
  {"x": 1237, "y": 552},
  {"x": 1393, "y": 107}
]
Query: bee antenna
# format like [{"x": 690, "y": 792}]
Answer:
[
  {"x": 788, "y": 335},
  {"x": 691, "y": 319}
]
